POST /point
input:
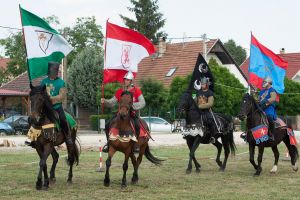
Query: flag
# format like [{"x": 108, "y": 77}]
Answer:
[
  {"x": 260, "y": 133},
  {"x": 43, "y": 44},
  {"x": 201, "y": 70},
  {"x": 263, "y": 63},
  {"x": 124, "y": 49}
]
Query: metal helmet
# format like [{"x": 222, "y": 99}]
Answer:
[
  {"x": 267, "y": 80},
  {"x": 204, "y": 80},
  {"x": 53, "y": 68},
  {"x": 129, "y": 76}
]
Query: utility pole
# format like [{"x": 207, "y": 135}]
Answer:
[{"x": 204, "y": 38}]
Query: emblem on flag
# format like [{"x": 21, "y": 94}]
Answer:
[
  {"x": 125, "y": 58},
  {"x": 44, "y": 40},
  {"x": 260, "y": 133}
]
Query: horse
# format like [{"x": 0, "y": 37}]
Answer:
[
  {"x": 255, "y": 117},
  {"x": 202, "y": 135},
  {"x": 42, "y": 113},
  {"x": 121, "y": 131}
]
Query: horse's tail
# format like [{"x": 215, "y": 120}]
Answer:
[
  {"x": 77, "y": 146},
  {"x": 151, "y": 157},
  {"x": 231, "y": 138}
]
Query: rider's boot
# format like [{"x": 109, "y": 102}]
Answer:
[
  {"x": 137, "y": 133},
  {"x": 106, "y": 146}
]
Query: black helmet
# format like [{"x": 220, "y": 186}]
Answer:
[
  {"x": 204, "y": 80},
  {"x": 53, "y": 68}
]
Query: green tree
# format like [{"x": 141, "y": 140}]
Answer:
[
  {"x": 289, "y": 103},
  {"x": 85, "y": 77},
  {"x": 85, "y": 33},
  {"x": 155, "y": 96},
  {"x": 237, "y": 52},
  {"x": 15, "y": 50},
  {"x": 148, "y": 19}
]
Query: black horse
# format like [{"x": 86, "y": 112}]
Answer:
[
  {"x": 201, "y": 133},
  {"x": 255, "y": 117},
  {"x": 42, "y": 114}
]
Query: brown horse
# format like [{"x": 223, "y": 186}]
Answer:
[
  {"x": 122, "y": 139},
  {"x": 42, "y": 114}
]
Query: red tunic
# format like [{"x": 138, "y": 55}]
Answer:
[{"x": 134, "y": 90}]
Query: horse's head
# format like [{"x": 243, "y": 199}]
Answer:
[
  {"x": 185, "y": 101},
  {"x": 38, "y": 98},
  {"x": 246, "y": 106},
  {"x": 125, "y": 104}
]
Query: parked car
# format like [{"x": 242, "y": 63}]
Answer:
[
  {"x": 19, "y": 123},
  {"x": 6, "y": 129},
  {"x": 157, "y": 124}
]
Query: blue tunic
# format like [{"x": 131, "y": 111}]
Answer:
[{"x": 270, "y": 109}]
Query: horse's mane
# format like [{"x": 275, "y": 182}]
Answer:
[
  {"x": 127, "y": 92},
  {"x": 192, "y": 100},
  {"x": 48, "y": 107}
]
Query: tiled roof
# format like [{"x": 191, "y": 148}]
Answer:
[
  {"x": 183, "y": 56},
  {"x": 4, "y": 92},
  {"x": 4, "y": 62},
  {"x": 293, "y": 67}
]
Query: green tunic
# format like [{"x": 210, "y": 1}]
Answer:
[{"x": 53, "y": 87}]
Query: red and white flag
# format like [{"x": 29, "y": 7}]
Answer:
[{"x": 124, "y": 49}]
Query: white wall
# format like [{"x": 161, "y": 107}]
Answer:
[{"x": 231, "y": 67}]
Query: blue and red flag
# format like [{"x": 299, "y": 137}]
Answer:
[
  {"x": 260, "y": 133},
  {"x": 263, "y": 63}
]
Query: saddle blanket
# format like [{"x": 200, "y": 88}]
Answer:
[{"x": 260, "y": 133}]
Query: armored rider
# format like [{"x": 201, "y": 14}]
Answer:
[{"x": 138, "y": 103}]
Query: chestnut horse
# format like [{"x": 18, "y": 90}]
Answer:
[{"x": 122, "y": 138}]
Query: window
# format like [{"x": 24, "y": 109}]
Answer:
[{"x": 171, "y": 72}]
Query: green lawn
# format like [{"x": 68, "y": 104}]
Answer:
[{"x": 168, "y": 181}]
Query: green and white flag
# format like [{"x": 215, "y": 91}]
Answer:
[{"x": 43, "y": 44}]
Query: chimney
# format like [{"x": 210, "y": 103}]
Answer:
[
  {"x": 282, "y": 51},
  {"x": 162, "y": 46}
]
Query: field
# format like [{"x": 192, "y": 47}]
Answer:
[{"x": 168, "y": 181}]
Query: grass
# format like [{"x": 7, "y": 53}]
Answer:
[{"x": 168, "y": 181}]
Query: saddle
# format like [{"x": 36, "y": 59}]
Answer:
[{"x": 279, "y": 123}]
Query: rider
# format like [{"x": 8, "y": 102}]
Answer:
[
  {"x": 57, "y": 91},
  {"x": 205, "y": 101},
  {"x": 267, "y": 100},
  {"x": 138, "y": 103}
]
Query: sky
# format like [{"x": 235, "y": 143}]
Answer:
[{"x": 275, "y": 23}]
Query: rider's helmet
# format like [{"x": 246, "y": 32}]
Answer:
[
  {"x": 129, "y": 75},
  {"x": 53, "y": 68},
  {"x": 267, "y": 81},
  {"x": 204, "y": 82}
]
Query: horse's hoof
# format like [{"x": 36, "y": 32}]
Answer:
[
  {"x": 69, "y": 182},
  {"x": 221, "y": 169},
  {"x": 219, "y": 163},
  {"x": 38, "y": 187},
  {"x": 188, "y": 171},
  {"x": 106, "y": 182},
  {"x": 295, "y": 168},
  {"x": 52, "y": 180},
  {"x": 198, "y": 170},
  {"x": 257, "y": 173},
  {"x": 134, "y": 180},
  {"x": 123, "y": 186}
]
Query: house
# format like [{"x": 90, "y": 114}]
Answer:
[
  {"x": 293, "y": 70},
  {"x": 179, "y": 59},
  {"x": 3, "y": 63}
]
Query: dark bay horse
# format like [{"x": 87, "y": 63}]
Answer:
[
  {"x": 201, "y": 134},
  {"x": 255, "y": 117},
  {"x": 42, "y": 113},
  {"x": 121, "y": 139}
]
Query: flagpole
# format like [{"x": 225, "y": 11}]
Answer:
[
  {"x": 102, "y": 87},
  {"x": 23, "y": 36},
  {"x": 249, "y": 90}
]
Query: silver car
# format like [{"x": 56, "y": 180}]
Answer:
[
  {"x": 6, "y": 129},
  {"x": 157, "y": 124}
]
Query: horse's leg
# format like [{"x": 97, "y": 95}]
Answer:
[
  {"x": 226, "y": 152},
  {"x": 135, "y": 176},
  {"x": 70, "y": 174},
  {"x": 39, "y": 182},
  {"x": 43, "y": 153},
  {"x": 125, "y": 167},
  {"x": 276, "y": 155},
  {"x": 251, "y": 156},
  {"x": 219, "y": 148},
  {"x": 292, "y": 151},
  {"x": 111, "y": 152},
  {"x": 259, "y": 159},
  {"x": 192, "y": 153},
  {"x": 55, "y": 157},
  {"x": 189, "y": 142}
]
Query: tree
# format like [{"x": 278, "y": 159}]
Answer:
[
  {"x": 289, "y": 103},
  {"x": 15, "y": 50},
  {"x": 148, "y": 19},
  {"x": 238, "y": 53},
  {"x": 85, "y": 77},
  {"x": 85, "y": 33},
  {"x": 155, "y": 96}
]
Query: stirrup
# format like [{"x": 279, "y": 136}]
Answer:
[{"x": 105, "y": 148}]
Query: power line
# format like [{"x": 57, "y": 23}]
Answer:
[{"x": 8, "y": 27}]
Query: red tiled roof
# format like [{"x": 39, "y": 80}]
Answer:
[
  {"x": 4, "y": 62},
  {"x": 4, "y": 92},
  {"x": 180, "y": 55},
  {"x": 293, "y": 67}
]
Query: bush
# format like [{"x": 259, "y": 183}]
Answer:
[{"x": 94, "y": 120}]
